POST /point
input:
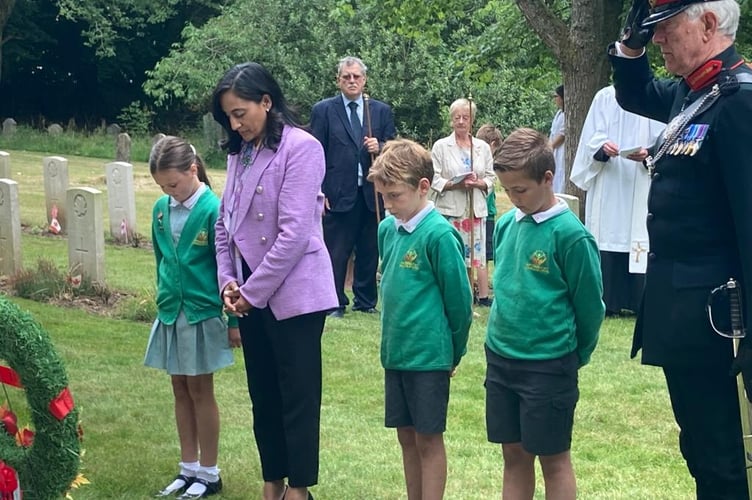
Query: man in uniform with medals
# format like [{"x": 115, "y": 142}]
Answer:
[{"x": 698, "y": 218}]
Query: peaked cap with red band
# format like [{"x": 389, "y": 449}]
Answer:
[{"x": 660, "y": 10}]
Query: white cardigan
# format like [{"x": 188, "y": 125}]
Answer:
[{"x": 447, "y": 162}]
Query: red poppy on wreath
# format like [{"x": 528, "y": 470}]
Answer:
[
  {"x": 8, "y": 482},
  {"x": 8, "y": 420},
  {"x": 25, "y": 437}
]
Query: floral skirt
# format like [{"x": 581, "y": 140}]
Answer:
[{"x": 473, "y": 232}]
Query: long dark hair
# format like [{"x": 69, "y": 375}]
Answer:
[
  {"x": 173, "y": 152},
  {"x": 251, "y": 81}
]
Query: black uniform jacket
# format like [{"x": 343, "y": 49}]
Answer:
[{"x": 699, "y": 213}]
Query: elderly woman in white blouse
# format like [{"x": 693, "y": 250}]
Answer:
[{"x": 463, "y": 176}]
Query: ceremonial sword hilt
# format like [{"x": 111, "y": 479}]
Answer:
[{"x": 733, "y": 291}]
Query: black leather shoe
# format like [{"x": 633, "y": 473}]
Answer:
[
  {"x": 337, "y": 313},
  {"x": 168, "y": 493},
  {"x": 211, "y": 489}
]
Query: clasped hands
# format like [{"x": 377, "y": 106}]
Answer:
[
  {"x": 472, "y": 181},
  {"x": 234, "y": 303}
]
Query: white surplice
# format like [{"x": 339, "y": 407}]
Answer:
[
  {"x": 617, "y": 190},
  {"x": 558, "y": 126}
]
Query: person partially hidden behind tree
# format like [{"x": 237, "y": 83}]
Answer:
[{"x": 698, "y": 219}]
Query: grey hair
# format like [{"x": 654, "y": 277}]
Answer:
[
  {"x": 349, "y": 61},
  {"x": 726, "y": 11},
  {"x": 461, "y": 103}
]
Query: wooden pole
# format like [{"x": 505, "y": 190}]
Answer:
[{"x": 367, "y": 117}]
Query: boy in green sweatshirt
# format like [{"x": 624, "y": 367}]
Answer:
[
  {"x": 544, "y": 322},
  {"x": 426, "y": 312}
]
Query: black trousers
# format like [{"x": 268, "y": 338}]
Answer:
[
  {"x": 345, "y": 232},
  {"x": 283, "y": 366},
  {"x": 706, "y": 407},
  {"x": 621, "y": 289}
]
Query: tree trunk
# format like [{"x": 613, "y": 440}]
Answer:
[
  {"x": 580, "y": 48},
  {"x": 6, "y": 8}
]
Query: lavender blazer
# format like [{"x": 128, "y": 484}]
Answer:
[{"x": 270, "y": 216}]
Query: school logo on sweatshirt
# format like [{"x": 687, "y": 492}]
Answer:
[
  {"x": 538, "y": 262},
  {"x": 409, "y": 260},
  {"x": 202, "y": 238}
]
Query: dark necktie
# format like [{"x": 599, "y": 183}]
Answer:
[{"x": 355, "y": 121}]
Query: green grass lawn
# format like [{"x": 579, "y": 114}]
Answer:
[{"x": 625, "y": 443}]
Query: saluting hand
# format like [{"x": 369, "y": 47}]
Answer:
[{"x": 634, "y": 36}]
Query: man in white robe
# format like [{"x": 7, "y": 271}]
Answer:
[
  {"x": 556, "y": 138},
  {"x": 608, "y": 165}
]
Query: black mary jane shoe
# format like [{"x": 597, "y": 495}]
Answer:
[
  {"x": 212, "y": 488},
  {"x": 168, "y": 493}
]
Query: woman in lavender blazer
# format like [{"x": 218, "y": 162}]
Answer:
[{"x": 274, "y": 271}]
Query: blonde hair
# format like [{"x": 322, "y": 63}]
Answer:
[{"x": 402, "y": 161}]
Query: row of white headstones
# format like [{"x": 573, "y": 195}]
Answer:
[{"x": 73, "y": 211}]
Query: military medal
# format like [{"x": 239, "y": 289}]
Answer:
[{"x": 676, "y": 128}]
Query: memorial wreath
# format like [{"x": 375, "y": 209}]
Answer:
[{"x": 45, "y": 462}]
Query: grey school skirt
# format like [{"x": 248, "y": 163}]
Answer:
[{"x": 185, "y": 349}]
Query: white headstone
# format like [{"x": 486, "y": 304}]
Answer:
[
  {"x": 121, "y": 200},
  {"x": 123, "y": 148},
  {"x": 4, "y": 165},
  {"x": 55, "y": 187},
  {"x": 10, "y": 228},
  {"x": 572, "y": 201},
  {"x": 55, "y": 129},
  {"x": 85, "y": 233},
  {"x": 9, "y": 126},
  {"x": 113, "y": 129}
]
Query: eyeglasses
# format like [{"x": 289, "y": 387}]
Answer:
[{"x": 348, "y": 76}]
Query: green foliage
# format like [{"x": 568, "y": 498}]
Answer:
[
  {"x": 108, "y": 22},
  {"x": 418, "y": 63},
  {"x": 48, "y": 282},
  {"x": 141, "y": 307},
  {"x": 136, "y": 118},
  {"x": 42, "y": 283}
]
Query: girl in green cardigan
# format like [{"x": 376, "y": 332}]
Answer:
[{"x": 189, "y": 339}]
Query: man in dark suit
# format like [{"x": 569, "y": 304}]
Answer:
[{"x": 341, "y": 124}]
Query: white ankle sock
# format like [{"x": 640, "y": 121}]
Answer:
[
  {"x": 189, "y": 469},
  {"x": 210, "y": 474}
]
